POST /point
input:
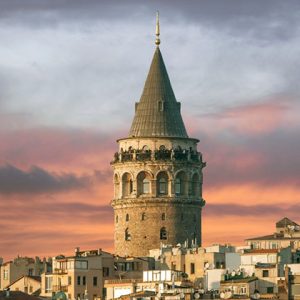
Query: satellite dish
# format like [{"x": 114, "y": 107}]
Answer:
[
  {"x": 222, "y": 295},
  {"x": 196, "y": 295},
  {"x": 255, "y": 296},
  {"x": 181, "y": 295},
  {"x": 233, "y": 273},
  {"x": 292, "y": 227},
  {"x": 206, "y": 266},
  {"x": 228, "y": 295},
  {"x": 178, "y": 245}
]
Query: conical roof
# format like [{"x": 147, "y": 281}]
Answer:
[{"x": 158, "y": 113}]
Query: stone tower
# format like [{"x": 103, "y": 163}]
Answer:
[{"x": 157, "y": 173}]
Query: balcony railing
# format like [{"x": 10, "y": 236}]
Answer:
[
  {"x": 59, "y": 288},
  {"x": 158, "y": 155}
]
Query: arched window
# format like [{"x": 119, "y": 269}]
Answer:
[
  {"x": 117, "y": 219},
  {"x": 195, "y": 185},
  {"x": 162, "y": 147},
  {"x": 146, "y": 186},
  {"x": 127, "y": 184},
  {"x": 163, "y": 233},
  {"x": 181, "y": 183},
  {"x": 162, "y": 183},
  {"x": 127, "y": 235},
  {"x": 145, "y": 148},
  {"x": 127, "y": 217},
  {"x": 178, "y": 186},
  {"x": 117, "y": 186},
  {"x": 163, "y": 216},
  {"x": 143, "y": 216},
  {"x": 143, "y": 183}
]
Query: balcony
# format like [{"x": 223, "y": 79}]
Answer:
[
  {"x": 59, "y": 288},
  {"x": 177, "y": 155}
]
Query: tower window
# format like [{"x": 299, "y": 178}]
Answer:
[
  {"x": 162, "y": 186},
  {"x": 146, "y": 186},
  {"x": 163, "y": 216},
  {"x": 177, "y": 186},
  {"x": 163, "y": 233},
  {"x": 143, "y": 216},
  {"x": 127, "y": 235},
  {"x": 127, "y": 184},
  {"x": 162, "y": 183},
  {"x": 127, "y": 217}
]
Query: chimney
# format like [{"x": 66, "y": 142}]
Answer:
[{"x": 77, "y": 250}]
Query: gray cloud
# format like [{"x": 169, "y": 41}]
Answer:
[
  {"x": 278, "y": 210},
  {"x": 37, "y": 180}
]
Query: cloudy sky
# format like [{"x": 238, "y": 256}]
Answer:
[{"x": 70, "y": 72}]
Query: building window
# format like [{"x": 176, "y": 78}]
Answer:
[
  {"x": 163, "y": 233},
  {"x": 83, "y": 280},
  {"x": 243, "y": 290},
  {"x": 95, "y": 281},
  {"x": 265, "y": 273},
  {"x": 177, "y": 186},
  {"x": 143, "y": 216},
  {"x": 127, "y": 217},
  {"x": 48, "y": 284},
  {"x": 143, "y": 183},
  {"x": 127, "y": 235},
  {"x": 195, "y": 185},
  {"x": 192, "y": 268},
  {"x": 78, "y": 280},
  {"x": 105, "y": 272},
  {"x": 162, "y": 183},
  {"x": 30, "y": 272},
  {"x": 127, "y": 184},
  {"x": 117, "y": 219},
  {"x": 146, "y": 186},
  {"x": 163, "y": 216},
  {"x": 5, "y": 274},
  {"x": 69, "y": 280},
  {"x": 30, "y": 289},
  {"x": 270, "y": 290}
]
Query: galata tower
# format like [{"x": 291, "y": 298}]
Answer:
[{"x": 157, "y": 173}]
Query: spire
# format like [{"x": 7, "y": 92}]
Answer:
[
  {"x": 157, "y": 32},
  {"x": 158, "y": 112}
]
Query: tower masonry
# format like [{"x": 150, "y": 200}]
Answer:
[{"x": 157, "y": 173}]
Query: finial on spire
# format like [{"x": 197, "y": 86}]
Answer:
[{"x": 157, "y": 32}]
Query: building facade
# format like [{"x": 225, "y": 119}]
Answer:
[{"x": 157, "y": 173}]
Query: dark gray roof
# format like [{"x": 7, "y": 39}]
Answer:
[
  {"x": 158, "y": 112},
  {"x": 285, "y": 222}
]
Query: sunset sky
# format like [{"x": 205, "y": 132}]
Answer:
[{"x": 70, "y": 73}]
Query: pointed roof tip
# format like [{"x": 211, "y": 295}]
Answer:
[{"x": 158, "y": 112}]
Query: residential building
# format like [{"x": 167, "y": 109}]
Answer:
[
  {"x": 27, "y": 284},
  {"x": 80, "y": 276},
  {"x": 21, "y": 266},
  {"x": 287, "y": 234},
  {"x": 266, "y": 264}
]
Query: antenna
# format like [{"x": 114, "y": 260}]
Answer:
[{"x": 157, "y": 31}]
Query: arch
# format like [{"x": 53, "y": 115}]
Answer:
[
  {"x": 127, "y": 184},
  {"x": 127, "y": 217},
  {"x": 145, "y": 148},
  {"x": 162, "y": 183},
  {"x": 162, "y": 147},
  {"x": 195, "y": 185},
  {"x": 163, "y": 216},
  {"x": 163, "y": 235},
  {"x": 127, "y": 235},
  {"x": 181, "y": 183},
  {"x": 117, "y": 186},
  {"x": 144, "y": 183}
]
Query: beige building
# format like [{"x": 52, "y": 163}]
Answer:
[
  {"x": 238, "y": 288},
  {"x": 27, "y": 284},
  {"x": 287, "y": 234},
  {"x": 157, "y": 281},
  {"x": 157, "y": 173},
  {"x": 21, "y": 266},
  {"x": 80, "y": 276}
]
